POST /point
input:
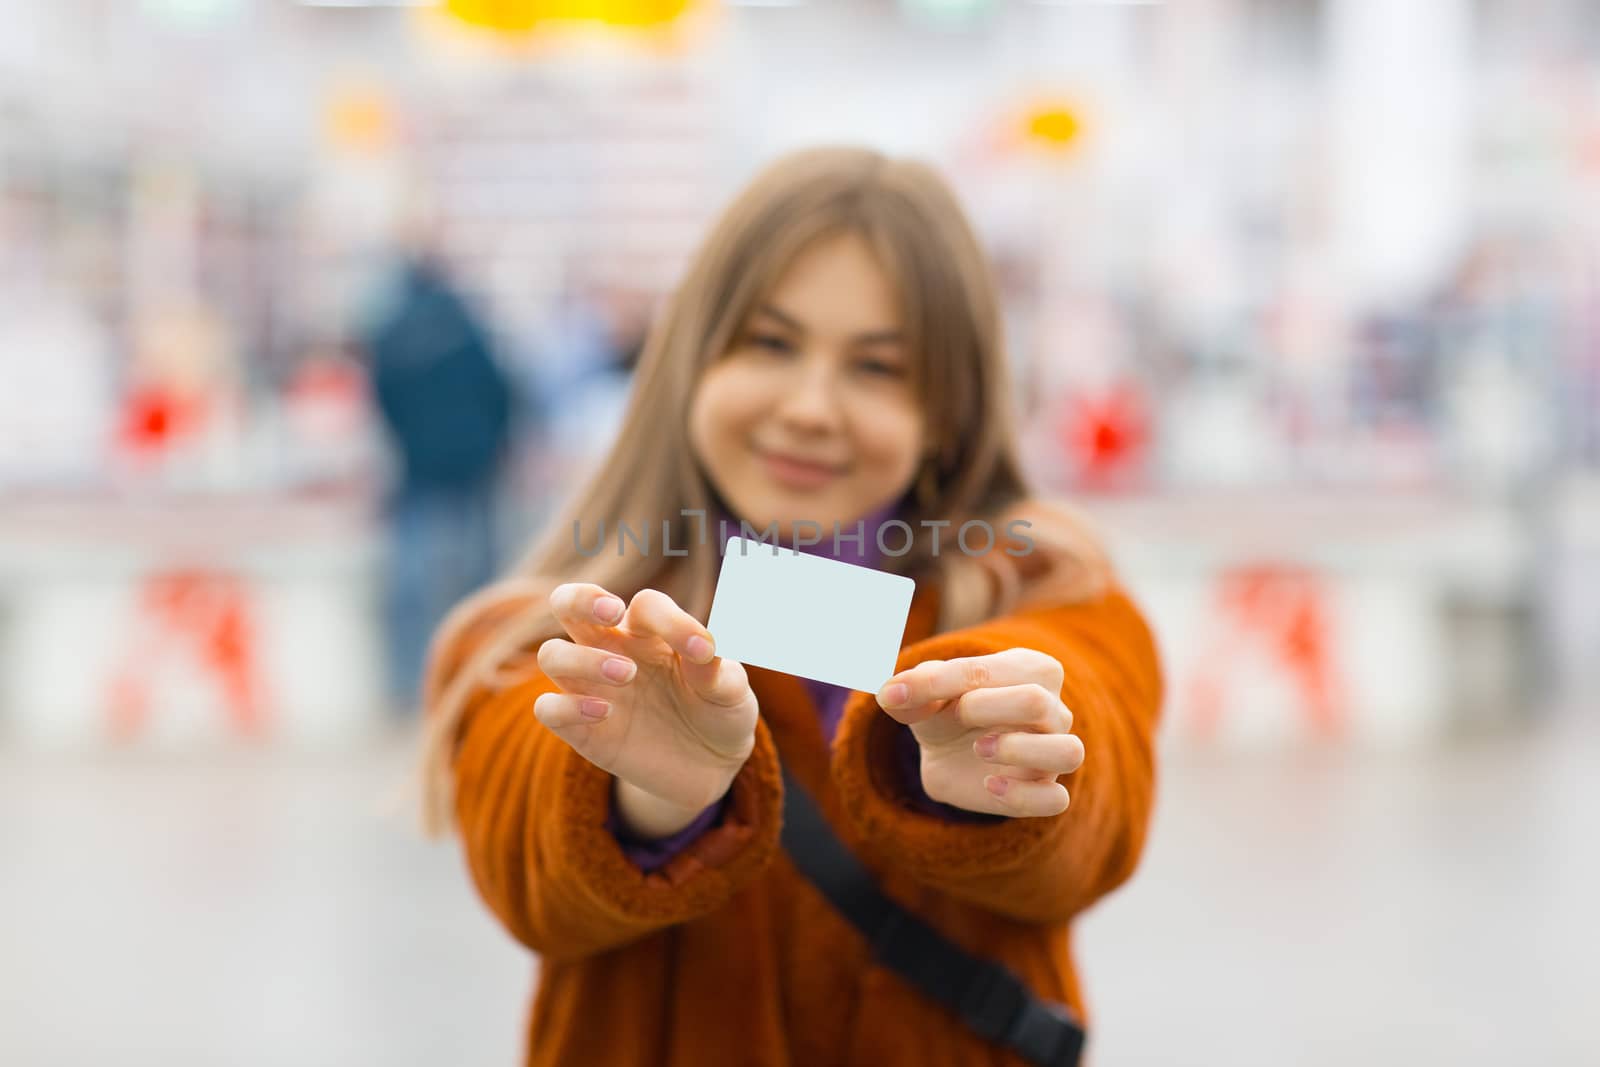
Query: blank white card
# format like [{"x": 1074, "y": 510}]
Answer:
[{"x": 809, "y": 615}]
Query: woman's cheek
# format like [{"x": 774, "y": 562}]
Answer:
[
  {"x": 742, "y": 395},
  {"x": 727, "y": 397},
  {"x": 890, "y": 436}
]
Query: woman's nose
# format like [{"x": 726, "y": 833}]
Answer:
[{"x": 811, "y": 399}]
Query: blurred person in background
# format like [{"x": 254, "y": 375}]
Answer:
[
  {"x": 448, "y": 408},
  {"x": 832, "y": 356}
]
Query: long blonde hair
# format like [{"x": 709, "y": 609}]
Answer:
[{"x": 650, "y": 475}]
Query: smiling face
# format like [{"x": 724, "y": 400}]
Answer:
[{"x": 813, "y": 414}]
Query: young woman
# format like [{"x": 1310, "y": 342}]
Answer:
[{"x": 833, "y": 356}]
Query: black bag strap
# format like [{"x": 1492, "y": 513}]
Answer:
[{"x": 985, "y": 995}]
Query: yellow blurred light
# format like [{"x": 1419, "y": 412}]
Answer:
[
  {"x": 524, "y": 16},
  {"x": 358, "y": 119},
  {"x": 1055, "y": 125}
]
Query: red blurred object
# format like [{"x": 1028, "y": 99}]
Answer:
[
  {"x": 328, "y": 379},
  {"x": 1284, "y": 609},
  {"x": 154, "y": 417},
  {"x": 1107, "y": 435},
  {"x": 204, "y": 613},
  {"x": 327, "y": 397}
]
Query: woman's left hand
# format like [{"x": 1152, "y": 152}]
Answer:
[{"x": 993, "y": 730}]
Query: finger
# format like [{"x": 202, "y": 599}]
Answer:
[
  {"x": 562, "y": 711},
  {"x": 583, "y": 669},
  {"x": 934, "y": 681},
  {"x": 587, "y": 612},
  {"x": 1023, "y": 798},
  {"x": 722, "y": 681},
  {"x": 1043, "y": 754},
  {"x": 1027, "y": 706},
  {"x": 654, "y": 613}
]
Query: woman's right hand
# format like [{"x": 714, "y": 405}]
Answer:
[{"x": 644, "y": 695}]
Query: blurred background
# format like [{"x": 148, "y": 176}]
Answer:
[{"x": 311, "y": 312}]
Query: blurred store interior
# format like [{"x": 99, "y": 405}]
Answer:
[{"x": 1303, "y": 302}]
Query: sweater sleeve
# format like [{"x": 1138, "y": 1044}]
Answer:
[
  {"x": 1039, "y": 869},
  {"x": 909, "y": 757},
  {"x": 651, "y": 854},
  {"x": 533, "y": 817}
]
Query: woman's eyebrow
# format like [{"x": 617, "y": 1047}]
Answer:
[
  {"x": 787, "y": 320},
  {"x": 879, "y": 337},
  {"x": 869, "y": 337}
]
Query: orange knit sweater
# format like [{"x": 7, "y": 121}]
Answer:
[{"x": 727, "y": 955}]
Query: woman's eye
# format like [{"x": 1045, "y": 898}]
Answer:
[
  {"x": 770, "y": 342},
  {"x": 881, "y": 368}
]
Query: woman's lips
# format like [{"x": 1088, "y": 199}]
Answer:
[{"x": 796, "y": 472}]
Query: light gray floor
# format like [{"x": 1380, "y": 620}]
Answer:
[
  {"x": 1362, "y": 910},
  {"x": 1335, "y": 909}
]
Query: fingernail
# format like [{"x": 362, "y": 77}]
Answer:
[
  {"x": 618, "y": 670},
  {"x": 997, "y": 784},
  {"x": 593, "y": 708},
  {"x": 987, "y": 744},
  {"x": 608, "y": 609},
  {"x": 699, "y": 649},
  {"x": 893, "y": 695}
]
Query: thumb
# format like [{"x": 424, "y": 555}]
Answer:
[
  {"x": 935, "y": 723},
  {"x": 722, "y": 681}
]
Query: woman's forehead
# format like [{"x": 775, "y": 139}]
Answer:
[{"x": 836, "y": 283}]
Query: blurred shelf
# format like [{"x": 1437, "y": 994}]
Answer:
[
  {"x": 1423, "y": 535},
  {"x": 43, "y": 536}
]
